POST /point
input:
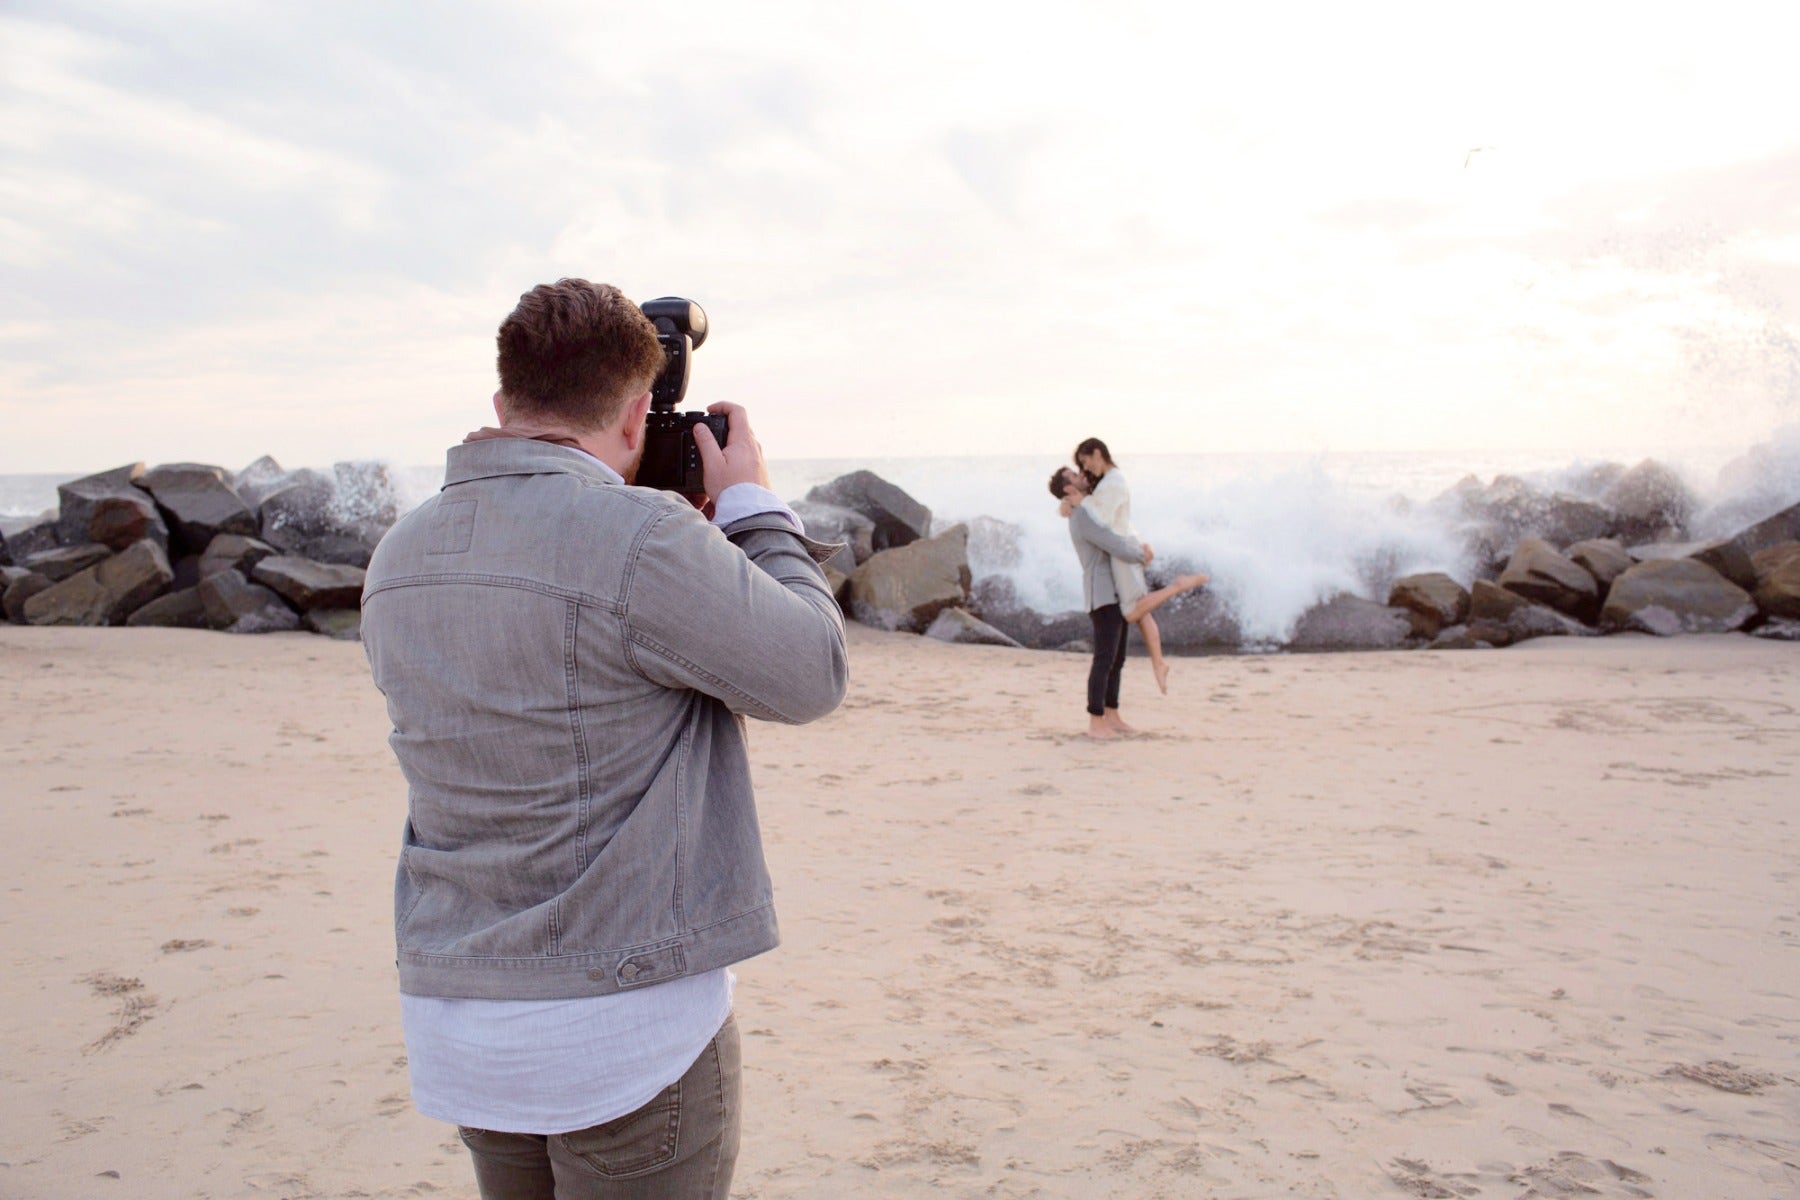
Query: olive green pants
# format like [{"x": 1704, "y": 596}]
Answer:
[{"x": 680, "y": 1146}]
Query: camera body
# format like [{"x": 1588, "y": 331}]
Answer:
[{"x": 671, "y": 460}]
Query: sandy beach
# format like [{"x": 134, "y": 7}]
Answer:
[{"x": 1508, "y": 924}]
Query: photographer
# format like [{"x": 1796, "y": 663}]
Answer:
[{"x": 567, "y": 660}]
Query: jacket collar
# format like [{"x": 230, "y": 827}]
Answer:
[{"x": 521, "y": 456}]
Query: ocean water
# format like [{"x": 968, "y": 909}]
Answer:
[{"x": 1277, "y": 533}]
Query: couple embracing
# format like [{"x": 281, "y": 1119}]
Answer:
[{"x": 1097, "y": 503}]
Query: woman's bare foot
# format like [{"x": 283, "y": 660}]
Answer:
[
  {"x": 1161, "y": 671},
  {"x": 1101, "y": 730},
  {"x": 1188, "y": 583}
]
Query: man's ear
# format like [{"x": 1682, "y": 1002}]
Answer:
[
  {"x": 499, "y": 412},
  {"x": 633, "y": 429}
]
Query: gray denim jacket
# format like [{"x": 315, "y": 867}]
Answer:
[
  {"x": 567, "y": 663},
  {"x": 1096, "y": 546}
]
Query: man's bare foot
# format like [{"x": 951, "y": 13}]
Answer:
[
  {"x": 1161, "y": 671},
  {"x": 1101, "y": 730},
  {"x": 1117, "y": 723}
]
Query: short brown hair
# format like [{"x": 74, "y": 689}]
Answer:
[
  {"x": 1059, "y": 483},
  {"x": 577, "y": 352}
]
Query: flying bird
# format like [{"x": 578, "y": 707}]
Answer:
[{"x": 1473, "y": 151}]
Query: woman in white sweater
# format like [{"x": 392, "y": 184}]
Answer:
[{"x": 1110, "y": 502}]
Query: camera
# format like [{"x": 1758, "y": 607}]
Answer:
[{"x": 671, "y": 461}]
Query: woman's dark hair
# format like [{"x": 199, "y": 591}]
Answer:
[{"x": 1088, "y": 447}]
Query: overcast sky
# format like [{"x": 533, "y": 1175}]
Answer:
[{"x": 235, "y": 228}]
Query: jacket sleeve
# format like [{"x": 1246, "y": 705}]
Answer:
[
  {"x": 1089, "y": 530},
  {"x": 743, "y": 615}
]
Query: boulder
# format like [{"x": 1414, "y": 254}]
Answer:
[
  {"x": 960, "y": 626},
  {"x": 1500, "y": 617},
  {"x": 257, "y": 480},
  {"x": 908, "y": 586},
  {"x": 1778, "y": 630},
  {"x": 1778, "y": 580},
  {"x": 1676, "y": 595},
  {"x": 1603, "y": 558},
  {"x": 234, "y": 552},
  {"x": 199, "y": 502},
  {"x": 20, "y": 589},
  {"x": 1726, "y": 556},
  {"x": 307, "y": 585},
  {"x": 1347, "y": 622},
  {"x": 832, "y": 523},
  {"x": 1537, "y": 572},
  {"x": 1434, "y": 600},
  {"x": 1567, "y": 518},
  {"x": 304, "y": 517},
  {"x": 1458, "y": 637},
  {"x": 105, "y": 593},
  {"x": 6, "y": 559},
  {"x": 179, "y": 609},
  {"x": 1784, "y": 526},
  {"x": 108, "y": 509},
  {"x": 33, "y": 539},
  {"x": 236, "y": 605},
  {"x": 340, "y": 624},
  {"x": 1651, "y": 503},
  {"x": 836, "y": 580},
  {"x": 996, "y": 601},
  {"x": 899, "y": 520},
  {"x": 65, "y": 561}
]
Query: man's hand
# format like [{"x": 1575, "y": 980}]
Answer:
[{"x": 741, "y": 459}]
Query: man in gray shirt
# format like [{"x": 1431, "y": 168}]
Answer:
[
  {"x": 1096, "y": 546},
  {"x": 567, "y": 661}
]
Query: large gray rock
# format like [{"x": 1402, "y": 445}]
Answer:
[
  {"x": 1499, "y": 616},
  {"x": 233, "y": 552},
  {"x": 1567, "y": 518},
  {"x": 908, "y": 586},
  {"x": 1651, "y": 504},
  {"x": 19, "y": 589},
  {"x": 200, "y": 504},
  {"x": 236, "y": 605},
  {"x": 1778, "y": 630},
  {"x": 960, "y": 626},
  {"x": 1784, "y": 526},
  {"x": 1603, "y": 558},
  {"x": 122, "y": 513},
  {"x": 257, "y": 480},
  {"x": 997, "y": 603},
  {"x": 66, "y": 561},
  {"x": 899, "y": 520},
  {"x": 340, "y": 624},
  {"x": 107, "y": 592},
  {"x": 335, "y": 518},
  {"x": 1347, "y": 622},
  {"x": 1539, "y": 573},
  {"x": 33, "y": 539},
  {"x": 179, "y": 609},
  {"x": 1726, "y": 556},
  {"x": 1676, "y": 595},
  {"x": 307, "y": 585},
  {"x": 833, "y": 523},
  {"x": 1778, "y": 580},
  {"x": 1434, "y": 600}
]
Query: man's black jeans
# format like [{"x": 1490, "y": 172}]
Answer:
[{"x": 1110, "y": 630}]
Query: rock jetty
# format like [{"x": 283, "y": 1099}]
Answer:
[
  {"x": 265, "y": 549},
  {"x": 189, "y": 545}
]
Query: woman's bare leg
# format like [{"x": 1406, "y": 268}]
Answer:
[{"x": 1140, "y": 616}]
